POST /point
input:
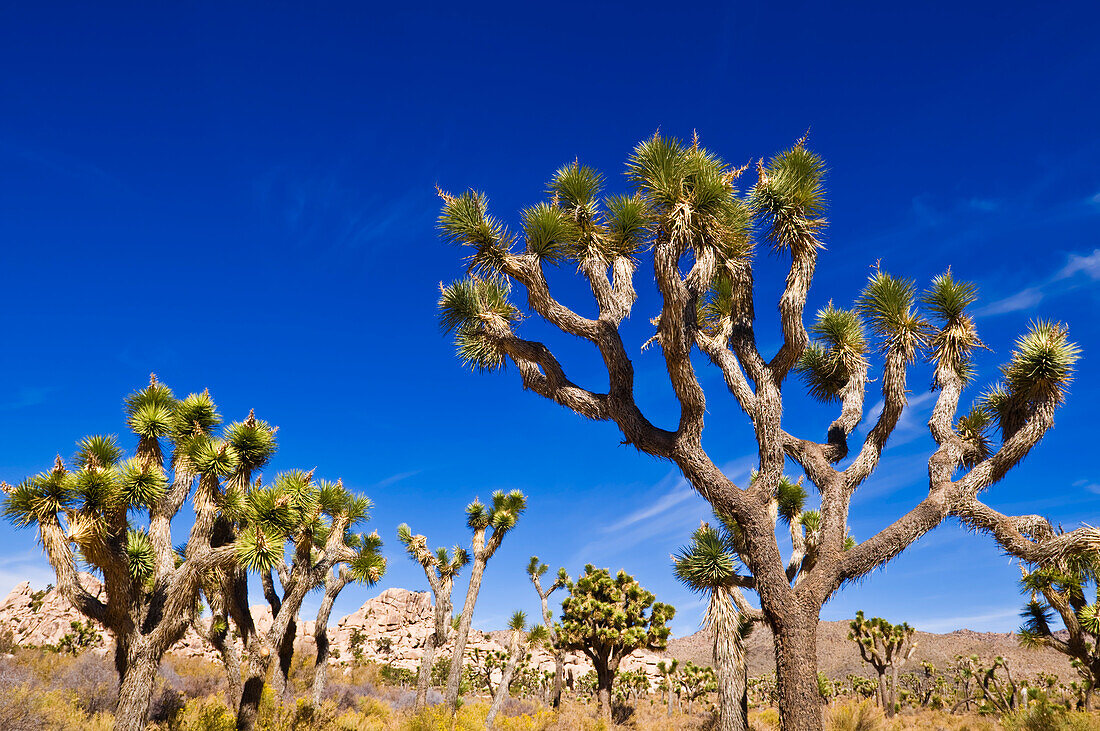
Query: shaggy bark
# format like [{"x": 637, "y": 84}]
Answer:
[
  {"x": 334, "y": 584},
  {"x": 514, "y": 654}
]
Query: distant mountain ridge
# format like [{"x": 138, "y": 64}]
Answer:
[{"x": 393, "y": 626}]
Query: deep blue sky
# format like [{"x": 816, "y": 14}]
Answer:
[{"x": 240, "y": 197}]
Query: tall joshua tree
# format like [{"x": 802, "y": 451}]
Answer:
[
  {"x": 312, "y": 521},
  {"x": 883, "y": 646},
  {"x": 536, "y": 570},
  {"x": 83, "y": 511},
  {"x": 490, "y": 523},
  {"x": 687, "y": 218},
  {"x": 517, "y": 650},
  {"x": 608, "y": 618},
  {"x": 1061, "y": 588},
  {"x": 441, "y": 569}
]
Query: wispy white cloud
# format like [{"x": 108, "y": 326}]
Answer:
[
  {"x": 27, "y": 396},
  {"x": 1088, "y": 485},
  {"x": 913, "y": 419},
  {"x": 396, "y": 478},
  {"x": 1063, "y": 280},
  {"x": 27, "y": 566},
  {"x": 674, "y": 509}
]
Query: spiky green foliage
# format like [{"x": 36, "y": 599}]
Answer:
[
  {"x": 501, "y": 514},
  {"x": 709, "y": 562},
  {"x": 253, "y": 442},
  {"x": 956, "y": 336},
  {"x": 789, "y": 197},
  {"x": 628, "y": 224},
  {"x": 974, "y": 427},
  {"x": 887, "y": 304},
  {"x": 577, "y": 188},
  {"x": 518, "y": 621},
  {"x": 1042, "y": 364},
  {"x": 838, "y": 351},
  {"x": 549, "y": 232},
  {"x": 475, "y": 311},
  {"x": 608, "y": 617},
  {"x": 98, "y": 451},
  {"x": 791, "y": 497},
  {"x": 465, "y": 221}
]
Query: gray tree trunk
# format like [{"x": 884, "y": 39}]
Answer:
[
  {"x": 559, "y": 674},
  {"x": 505, "y": 680},
  {"x": 454, "y": 676},
  {"x": 135, "y": 691},
  {"x": 424, "y": 676}
]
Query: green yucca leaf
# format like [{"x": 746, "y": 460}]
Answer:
[
  {"x": 576, "y": 187},
  {"x": 259, "y": 547},
  {"x": 478, "y": 516},
  {"x": 368, "y": 567},
  {"x": 253, "y": 441},
  {"x": 466, "y": 308},
  {"x": 97, "y": 490},
  {"x": 849, "y": 543},
  {"x": 140, "y": 556},
  {"x": 518, "y": 621},
  {"x": 948, "y": 298},
  {"x": 212, "y": 457},
  {"x": 1089, "y": 620},
  {"x": 1036, "y": 620},
  {"x": 707, "y": 562},
  {"x": 1042, "y": 365},
  {"x": 538, "y": 636},
  {"x": 98, "y": 451},
  {"x": 142, "y": 486},
  {"x": 789, "y": 199},
  {"x": 536, "y": 568},
  {"x": 549, "y": 232},
  {"x": 838, "y": 352},
  {"x": 466, "y": 222},
  {"x": 656, "y": 167},
  {"x": 332, "y": 497},
  {"x": 823, "y": 375},
  {"x": 196, "y": 414},
  {"x": 811, "y": 520},
  {"x": 887, "y": 304},
  {"x": 629, "y": 220},
  {"x": 791, "y": 497},
  {"x": 152, "y": 420},
  {"x": 39, "y": 498},
  {"x": 155, "y": 394}
]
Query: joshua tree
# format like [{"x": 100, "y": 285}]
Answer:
[
  {"x": 517, "y": 650},
  {"x": 1061, "y": 587},
  {"x": 366, "y": 570},
  {"x": 883, "y": 646},
  {"x": 696, "y": 681},
  {"x": 606, "y": 619},
  {"x": 536, "y": 570},
  {"x": 501, "y": 516},
  {"x": 152, "y": 589},
  {"x": 709, "y": 565},
  {"x": 313, "y": 522},
  {"x": 441, "y": 570},
  {"x": 686, "y": 216},
  {"x": 669, "y": 671}
]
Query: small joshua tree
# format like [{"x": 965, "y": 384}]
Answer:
[
  {"x": 536, "y": 570},
  {"x": 883, "y": 646},
  {"x": 312, "y": 521},
  {"x": 608, "y": 618},
  {"x": 687, "y": 218},
  {"x": 696, "y": 681},
  {"x": 366, "y": 569},
  {"x": 83, "y": 512},
  {"x": 669, "y": 671},
  {"x": 517, "y": 650},
  {"x": 500, "y": 516},
  {"x": 1061, "y": 588},
  {"x": 708, "y": 565},
  {"x": 441, "y": 569}
]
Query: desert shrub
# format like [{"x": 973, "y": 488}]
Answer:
[
  {"x": 92, "y": 679},
  {"x": 863, "y": 716},
  {"x": 193, "y": 678},
  {"x": 1042, "y": 715},
  {"x": 26, "y": 708},
  {"x": 165, "y": 704},
  {"x": 8, "y": 644},
  {"x": 205, "y": 714},
  {"x": 393, "y": 675},
  {"x": 765, "y": 720},
  {"x": 518, "y": 707}
]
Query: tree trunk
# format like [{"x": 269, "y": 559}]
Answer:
[
  {"x": 668, "y": 681},
  {"x": 424, "y": 676},
  {"x": 281, "y": 677},
  {"x": 729, "y": 666},
  {"x": 505, "y": 681},
  {"x": 796, "y": 674},
  {"x": 559, "y": 673},
  {"x": 253, "y": 689},
  {"x": 882, "y": 689},
  {"x": 454, "y": 677},
  {"x": 893, "y": 691},
  {"x": 135, "y": 691},
  {"x": 605, "y": 678}
]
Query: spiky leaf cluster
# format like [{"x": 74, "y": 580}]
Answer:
[
  {"x": 888, "y": 305},
  {"x": 708, "y": 562},
  {"x": 502, "y": 512},
  {"x": 476, "y": 312},
  {"x": 789, "y": 198},
  {"x": 956, "y": 335},
  {"x": 838, "y": 351}
]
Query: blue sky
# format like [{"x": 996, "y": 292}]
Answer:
[{"x": 240, "y": 197}]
